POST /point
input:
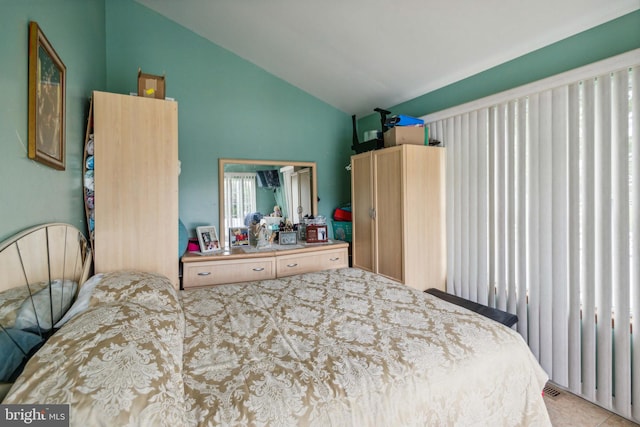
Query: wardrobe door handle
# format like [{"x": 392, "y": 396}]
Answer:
[
  {"x": 204, "y": 273},
  {"x": 258, "y": 269},
  {"x": 292, "y": 265}
]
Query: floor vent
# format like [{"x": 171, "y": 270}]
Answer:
[{"x": 551, "y": 392}]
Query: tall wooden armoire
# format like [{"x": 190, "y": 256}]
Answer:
[
  {"x": 136, "y": 184},
  {"x": 398, "y": 203}
]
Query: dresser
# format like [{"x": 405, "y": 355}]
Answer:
[{"x": 245, "y": 265}]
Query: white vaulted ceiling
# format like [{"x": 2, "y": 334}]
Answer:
[{"x": 360, "y": 54}]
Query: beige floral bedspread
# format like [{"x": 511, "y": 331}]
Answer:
[
  {"x": 335, "y": 348},
  {"x": 117, "y": 364},
  {"x": 349, "y": 348}
]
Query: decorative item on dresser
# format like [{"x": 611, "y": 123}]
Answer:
[
  {"x": 208, "y": 239},
  {"x": 398, "y": 212},
  {"x": 135, "y": 170}
]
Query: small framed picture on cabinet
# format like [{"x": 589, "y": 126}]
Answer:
[
  {"x": 287, "y": 237},
  {"x": 238, "y": 236},
  {"x": 208, "y": 239}
]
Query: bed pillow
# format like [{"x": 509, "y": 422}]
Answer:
[
  {"x": 147, "y": 289},
  {"x": 35, "y": 313},
  {"x": 14, "y": 344},
  {"x": 82, "y": 301}
]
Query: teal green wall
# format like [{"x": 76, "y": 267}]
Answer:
[
  {"x": 31, "y": 193},
  {"x": 612, "y": 38},
  {"x": 227, "y": 107}
]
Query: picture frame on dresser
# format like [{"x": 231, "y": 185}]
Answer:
[
  {"x": 208, "y": 239},
  {"x": 47, "y": 88},
  {"x": 287, "y": 237},
  {"x": 238, "y": 236}
]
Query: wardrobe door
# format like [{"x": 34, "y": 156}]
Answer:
[
  {"x": 389, "y": 205},
  {"x": 363, "y": 245},
  {"x": 424, "y": 217}
]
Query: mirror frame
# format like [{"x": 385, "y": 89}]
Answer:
[{"x": 222, "y": 162}]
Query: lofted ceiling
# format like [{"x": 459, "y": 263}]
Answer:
[{"x": 359, "y": 54}]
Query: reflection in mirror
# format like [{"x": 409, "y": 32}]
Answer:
[{"x": 252, "y": 189}]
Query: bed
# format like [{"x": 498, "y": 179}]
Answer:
[{"x": 339, "y": 347}]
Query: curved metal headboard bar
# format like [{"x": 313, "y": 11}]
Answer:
[
  {"x": 43, "y": 253},
  {"x": 54, "y": 256}
]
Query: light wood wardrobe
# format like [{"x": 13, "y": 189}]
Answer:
[
  {"x": 136, "y": 184},
  {"x": 398, "y": 203}
]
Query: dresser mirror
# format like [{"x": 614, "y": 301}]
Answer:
[{"x": 252, "y": 189}]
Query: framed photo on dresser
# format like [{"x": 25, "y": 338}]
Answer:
[
  {"x": 208, "y": 239},
  {"x": 238, "y": 236}
]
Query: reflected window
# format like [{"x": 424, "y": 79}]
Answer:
[{"x": 240, "y": 197}]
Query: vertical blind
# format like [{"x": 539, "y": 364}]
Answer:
[{"x": 543, "y": 200}]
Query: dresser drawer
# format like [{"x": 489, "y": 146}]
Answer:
[
  {"x": 227, "y": 271},
  {"x": 288, "y": 265}
]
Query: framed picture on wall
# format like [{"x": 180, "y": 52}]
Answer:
[
  {"x": 47, "y": 87},
  {"x": 208, "y": 239}
]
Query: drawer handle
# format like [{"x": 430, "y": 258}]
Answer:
[
  {"x": 292, "y": 265},
  {"x": 204, "y": 273},
  {"x": 258, "y": 269},
  {"x": 334, "y": 259}
]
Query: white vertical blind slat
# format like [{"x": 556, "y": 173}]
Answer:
[
  {"x": 533, "y": 224},
  {"x": 546, "y": 236},
  {"x": 474, "y": 191},
  {"x": 501, "y": 205},
  {"x": 465, "y": 206},
  {"x": 483, "y": 207},
  {"x": 603, "y": 237},
  {"x": 521, "y": 190},
  {"x": 509, "y": 293},
  {"x": 588, "y": 241},
  {"x": 635, "y": 239},
  {"x": 452, "y": 207},
  {"x": 574, "y": 238},
  {"x": 620, "y": 244},
  {"x": 491, "y": 221},
  {"x": 456, "y": 130},
  {"x": 559, "y": 234}
]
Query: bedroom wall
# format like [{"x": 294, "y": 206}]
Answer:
[
  {"x": 609, "y": 39},
  {"x": 31, "y": 193},
  {"x": 227, "y": 107}
]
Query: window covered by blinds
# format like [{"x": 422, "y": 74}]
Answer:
[{"x": 543, "y": 205}]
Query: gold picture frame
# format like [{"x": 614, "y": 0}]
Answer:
[{"x": 47, "y": 93}]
